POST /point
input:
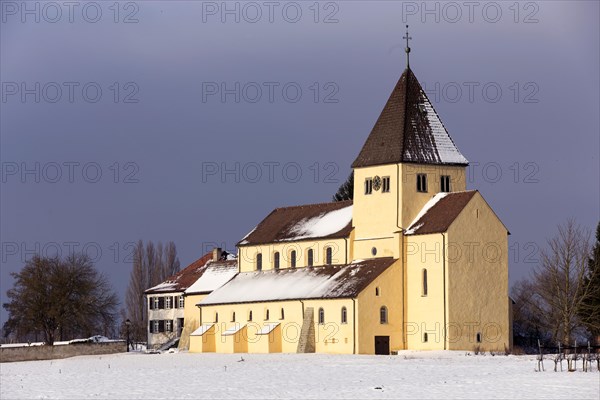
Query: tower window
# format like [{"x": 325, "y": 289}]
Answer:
[
  {"x": 386, "y": 184},
  {"x": 368, "y": 185},
  {"x": 329, "y": 256},
  {"x": 310, "y": 257},
  {"x": 377, "y": 291},
  {"x": 293, "y": 259},
  {"x": 276, "y": 260},
  {"x": 422, "y": 183},
  {"x": 344, "y": 315},
  {"x": 445, "y": 183},
  {"x": 259, "y": 262},
  {"x": 383, "y": 315},
  {"x": 425, "y": 337},
  {"x": 321, "y": 316},
  {"x": 424, "y": 282}
]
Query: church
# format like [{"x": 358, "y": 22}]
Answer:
[{"x": 414, "y": 261}]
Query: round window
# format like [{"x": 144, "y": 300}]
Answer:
[{"x": 374, "y": 251}]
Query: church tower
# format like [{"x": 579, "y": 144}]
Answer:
[{"x": 407, "y": 159}]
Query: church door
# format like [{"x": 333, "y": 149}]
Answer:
[{"x": 382, "y": 345}]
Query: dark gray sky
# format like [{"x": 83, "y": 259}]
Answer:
[{"x": 517, "y": 87}]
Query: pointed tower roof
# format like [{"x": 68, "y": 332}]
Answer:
[{"x": 409, "y": 130}]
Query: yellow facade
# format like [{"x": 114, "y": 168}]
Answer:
[{"x": 191, "y": 318}]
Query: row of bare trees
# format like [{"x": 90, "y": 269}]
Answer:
[
  {"x": 152, "y": 264},
  {"x": 560, "y": 301}
]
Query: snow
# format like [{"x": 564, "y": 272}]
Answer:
[
  {"x": 92, "y": 339},
  {"x": 409, "y": 375},
  {"x": 201, "y": 330},
  {"x": 267, "y": 328},
  {"x": 213, "y": 278},
  {"x": 167, "y": 286},
  {"x": 432, "y": 202},
  {"x": 323, "y": 225},
  {"x": 244, "y": 241},
  {"x": 233, "y": 330}
]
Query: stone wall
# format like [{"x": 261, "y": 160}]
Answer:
[{"x": 31, "y": 353}]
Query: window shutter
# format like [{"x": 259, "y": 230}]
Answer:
[
  {"x": 161, "y": 326},
  {"x": 176, "y": 302},
  {"x": 172, "y": 302},
  {"x": 150, "y": 327},
  {"x": 172, "y": 326},
  {"x": 150, "y": 302},
  {"x": 161, "y": 303}
]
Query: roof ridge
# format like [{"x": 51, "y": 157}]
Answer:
[{"x": 313, "y": 204}]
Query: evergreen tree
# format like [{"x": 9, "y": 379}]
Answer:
[
  {"x": 346, "y": 191},
  {"x": 590, "y": 310}
]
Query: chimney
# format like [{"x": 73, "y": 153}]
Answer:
[{"x": 216, "y": 256}]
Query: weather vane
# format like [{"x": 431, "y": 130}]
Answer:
[{"x": 407, "y": 49}]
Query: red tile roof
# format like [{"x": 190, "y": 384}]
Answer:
[
  {"x": 440, "y": 216},
  {"x": 184, "y": 278}
]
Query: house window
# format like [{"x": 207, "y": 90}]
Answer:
[
  {"x": 259, "y": 262},
  {"x": 267, "y": 315},
  {"x": 383, "y": 315},
  {"x": 377, "y": 291},
  {"x": 216, "y": 317},
  {"x": 368, "y": 185},
  {"x": 181, "y": 301},
  {"x": 425, "y": 337},
  {"x": 321, "y": 316},
  {"x": 310, "y": 257},
  {"x": 445, "y": 183},
  {"x": 155, "y": 326},
  {"x": 422, "y": 183},
  {"x": 233, "y": 316},
  {"x": 156, "y": 303},
  {"x": 168, "y": 325},
  {"x": 293, "y": 259},
  {"x": 168, "y": 302},
  {"x": 344, "y": 315},
  {"x": 478, "y": 337},
  {"x": 276, "y": 260},
  {"x": 250, "y": 315},
  {"x": 424, "y": 282},
  {"x": 282, "y": 313},
  {"x": 329, "y": 256},
  {"x": 386, "y": 185}
]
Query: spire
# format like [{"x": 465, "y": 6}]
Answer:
[{"x": 407, "y": 49}]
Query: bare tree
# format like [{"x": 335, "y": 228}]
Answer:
[{"x": 559, "y": 283}]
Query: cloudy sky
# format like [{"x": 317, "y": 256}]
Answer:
[{"x": 190, "y": 121}]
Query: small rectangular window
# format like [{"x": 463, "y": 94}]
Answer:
[
  {"x": 168, "y": 326},
  {"x": 422, "y": 183},
  {"x": 368, "y": 185},
  {"x": 168, "y": 302},
  {"x": 445, "y": 183},
  {"x": 329, "y": 256},
  {"x": 276, "y": 260},
  {"x": 156, "y": 303},
  {"x": 155, "y": 326},
  {"x": 181, "y": 301},
  {"x": 310, "y": 257},
  {"x": 386, "y": 184},
  {"x": 259, "y": 262}
]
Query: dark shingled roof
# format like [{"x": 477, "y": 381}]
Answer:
[
  {"x": 326, "y": 282},
  {"x": 409, "y": 130},
  {"x": 440, "y": 216},
  {"x": 184, "y": 278},
  {"x": 279, "y": 225}
]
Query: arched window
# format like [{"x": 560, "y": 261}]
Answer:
[
  {"x": 282, "y": 313},
  {"x": 478, "y": 337},
  {"x": 329, "y": 256},
  {"x": 233, "y": 316},
  {"x": 344, "y": 315},
  {"x": 310, "y": 257},
  {"x": 383, "y": 315},
  {"x": 250, "y": 315},
  {"x": 216, "y": 317},
  {"x": 321, "y": 316},
  {"x": 293, "y": 259},
  {"x": 259, "y": 262},
  {"x": 267, "y": 315},
  {"x": 276, "y": 260},
  {"x": 425, "y": 338},
  {"x": 424, "y": 282},
  {"x": 377, "y": 291}
]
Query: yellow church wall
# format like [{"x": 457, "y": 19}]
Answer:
[
  {"x": 413, "y": 201},
  {"x": 478, "y": 279},
  {"x": 389, "y": 285},
  {"x": 333, "y": 336},
  {"x": 204, "y": 343},
  {"x": 247, "y": 254},
  {"x": 425, "y": 312},
  {"x": 191, "y": 318}
]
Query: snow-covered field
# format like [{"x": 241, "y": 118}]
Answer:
[{"x": 181, "y": 375}]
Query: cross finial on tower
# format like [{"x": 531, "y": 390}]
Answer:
[{"x": 407, "y": 49}]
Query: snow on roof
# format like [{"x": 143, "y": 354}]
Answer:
[
  {"x": 202, "y": 330},
  {"x": 415, "y": 224},
  {"x": 323, "y": 225},
  {"x": 233, "y": 330},
  {"x": 332, "y": 281},
  {"x": 216, "y": 275},
  {"x": 167, "y": 286},
  {"x": 267, "y": 328},
  {"x": 184, "y": 278}
]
